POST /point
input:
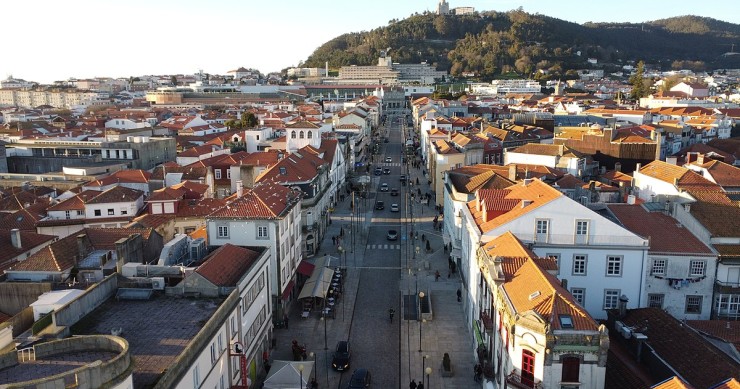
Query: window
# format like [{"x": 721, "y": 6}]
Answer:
[
  {"x": 223, "y": 231},
  {"x": 310, "y": 134},
  {"x": 581, "y": 227},
  {"x": 301, "y": 135},
  {"x": 228, "y": 173},
  {"x": 614, "y": 266},
  {"x": 693, "y": 304},
  {"x": 218, "y": 174},
  {"x": 528, "y": 368},
  {"x": 262, "y": 232},
  {"x": 214, "y": 354},
  {"x": 659, "y": 266},
  {"x": 124, "y": 212},
  {"x": 697, "y": 268},
  {"x": 655, "y": 300},
  {"x": 67, "y": 215},
  {"x": 571, "y": 369},
  {"x": 98, "y": 212},
  {"x": 80, "y": 213},
  {"x": 111, "y": 212},
  {"x": 579, "y": 294},
  {"x": 566, "y": 321},
  {"x": 542, "y": 226},
  {"x": 196, "y": 377},
  {"x": 611, "y": 298},
  {"x": 579, "y": 264}
]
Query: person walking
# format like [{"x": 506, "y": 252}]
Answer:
[
  {"x": 412, "y": 385},
  {"x": 477, "y": 370},
  {"x": 333, "y": 241},
  {"x": 436, "y": 275},
  {"x": 459, "y": 296},
  {"x": 420, "y": 386}
]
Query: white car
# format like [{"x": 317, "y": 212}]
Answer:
[
  {"x": 394, "y": 207},
  {"x": 388, "y": 159},
  {"x": 384, "y": 187}
]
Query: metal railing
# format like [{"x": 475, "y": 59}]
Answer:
[{"x": 590, "y": 240}]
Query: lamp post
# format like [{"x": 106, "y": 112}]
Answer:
[
  {"x": 423, "y": 363},
  {"x": 312, "y": 355},
  {"x": 300, "y": 369},
  {"x": 428, "y": 371},
  {"x": 421, "y": 303}
]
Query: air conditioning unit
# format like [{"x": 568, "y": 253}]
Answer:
[
  {"x": 198, "y": 249},
  {"x": 158, "y": 283}
]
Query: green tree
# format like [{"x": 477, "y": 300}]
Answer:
[
  {"x": 248, "y": 120},
  {"x": 637, "y": 80}
]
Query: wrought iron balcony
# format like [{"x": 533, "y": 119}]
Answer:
[
  {"x": 515, "y": 380},
  {"x": 485, "y": 317}
]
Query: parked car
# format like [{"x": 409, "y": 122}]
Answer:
[
  {"x": 394, "y": 192},
  {"x": 394, "y": 207},
  {"x": 388, "y": 159},
  {"x": 403, "y": 178},
  {"x": 379, "y": 205},
  {"x": 342, "y": 355},
  {"x": 360, "y": 379},
  {"x": 392, "y": 235},
  {"x": 387, "y": 171},
  {"x": 378, "y": 171},
  {"x": 384, "y": 187}
]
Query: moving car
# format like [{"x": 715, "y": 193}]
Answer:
[
  {"x": 340, "y": 360},
  {"x": 383, "y": 187},
  {"x": 394, "y": 207},
  {"x": 403, "y": 178},
  {"x": 394, "y": 192},
  {"x": 378, "y": 171},
  {"x": 388, "y": 159},
  {"x": 387, "y": 171},
  {"x": 379, "y": 205},
  {"x": 360, "y": 379},
  {"x": 392, "y": 235}
]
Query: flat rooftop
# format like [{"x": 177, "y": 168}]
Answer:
[
  {"x": 157, "y": 330},
  {"x": 52, "y": 365}
]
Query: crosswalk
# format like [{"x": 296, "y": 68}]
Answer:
[
  {"x": 383, "y": 247},
  {"x": 392, "y": 164}
]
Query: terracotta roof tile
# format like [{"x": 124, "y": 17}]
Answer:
[
  {"x": 729, "y": 331},
  {"x": 676, "y": 175},
  {"x": 731, "y": 383},
  {"x": 27, "y": 218},
  {"x": 672, "y": 383},
  {"x": 265, "y": 201},
  {"x": 664, "y": 232},
  {"x": 135, "y": 176},
  {"x": 28, "y": 240},
  {"x": 536, "y": 192},
  {"x": 699, "y": 362},
  {"x": 118, "y": 194},
  {"x": 75, "y": 203},
  {"x": 200, "y": 207},
  {"x": 227, "y": 264}
]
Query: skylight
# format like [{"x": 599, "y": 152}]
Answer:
[{"x": 566, "y": 321}]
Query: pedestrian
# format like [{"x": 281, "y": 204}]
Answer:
[
  {"x": 477, "y": 370},
  {"x": 314, "y": 384},
  {"x": 436, "y": 275},
  {"x": 334, "y": 240},
  {"x": 459, "y": 295},
  {"x": 421, "y": 385},
  {"x": 285, "y": 320},
  {"x": 412, "y": 385}
]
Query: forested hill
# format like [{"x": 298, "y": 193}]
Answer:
[{"x": 491, "y": 43}]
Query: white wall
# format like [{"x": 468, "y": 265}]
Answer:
[
  {"x": 130, "y": 209},
  {"x": 674, "y": 300}
]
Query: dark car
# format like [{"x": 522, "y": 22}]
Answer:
[
  {"x": 378, "y": 171},
  {"x": 387, "y": 171},
  {"x": 360, "y": 379},
  {"x": 379, "y": 205},
  {"x": 340, "y": 360},
  {"x": 403, "y": 178},
  {"x": 394, "y": 192},
  {"x": 392, "y": 235},
  {"x": 386, "y": 140}
]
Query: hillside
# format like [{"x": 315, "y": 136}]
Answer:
[{"x": 492, "y": 43}]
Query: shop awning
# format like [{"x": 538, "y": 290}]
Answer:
[
  {"x": 305, "y": 268},
  {"x": 288, "y": 289}
]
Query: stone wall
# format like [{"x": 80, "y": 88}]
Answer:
[{"x": 70, "y": 313}]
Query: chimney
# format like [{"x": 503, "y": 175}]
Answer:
[
  {"x": 623, "y": 300},
  {"x": 239, "y": 188},
  {"x": 699, "y": 158},
  {"x": 512, "y": 172},
  {"x": 631, "y": 199},
  {"x": 81, "y": 246},
  {"x": 637, "y": 167},
  {"x": 15, "y": 238},
  {"x": 618, "y": 167},
  {"x": 526, "y": 181}
]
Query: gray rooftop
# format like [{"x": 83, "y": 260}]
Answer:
[{"x": 157, "y": 330}]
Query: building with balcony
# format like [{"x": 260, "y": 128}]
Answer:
[{"x": 530, "y": 331}]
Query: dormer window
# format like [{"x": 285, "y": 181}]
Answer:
[
  {"x": 283, "y": 171},
  {"x": 566, "y": 321}
]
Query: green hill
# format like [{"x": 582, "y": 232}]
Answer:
[{"x": 491, "y": 44}]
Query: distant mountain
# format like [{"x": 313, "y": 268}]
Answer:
[{"x": 492, "y": 44}]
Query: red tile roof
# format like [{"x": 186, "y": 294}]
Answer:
[
  {"x": 118, "y": 194},
  {"x": 299, "y": 167},
  {"x": 135, "y": 176},
  {"x": 27, "y": 218},
  {"x": 227, "y": 265},
  {"x": 29, "y": 240},
  {"x": 676, "y": 175},
  {"x": 75, "y": 203},
  {"x": 266, "y": 200},
  {"x": 665, "y": 233},
  {"x": 200, "y": 208}
]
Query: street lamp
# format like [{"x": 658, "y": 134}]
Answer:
[
  {"x": 423, "y": 363},
  {"x": 428, "y": 371},
  {"x": 421, "y": 302},
  {"x": 300, "y": 369},
  {"x": 312, "y": 355}
]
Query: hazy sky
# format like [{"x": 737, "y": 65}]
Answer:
[{"x": 47, "y": 40}]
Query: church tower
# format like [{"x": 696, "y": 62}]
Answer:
[{"x": 443, "y": 8}]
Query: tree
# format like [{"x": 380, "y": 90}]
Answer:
[
  {"x": 173, "y": 80},
  {"x": 637, "y": 80},
  {"x": 248, "y": 120}
]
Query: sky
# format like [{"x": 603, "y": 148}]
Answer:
[{"x": 50, "y": 40}]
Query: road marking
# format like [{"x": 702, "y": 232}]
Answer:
[{"x": 383, "y": 247}]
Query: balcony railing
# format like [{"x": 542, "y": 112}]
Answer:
[
  {"x": 487, "y": 321},
  {"x": 591, "y": 240},
  {"x": 517, "y": 381}
]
